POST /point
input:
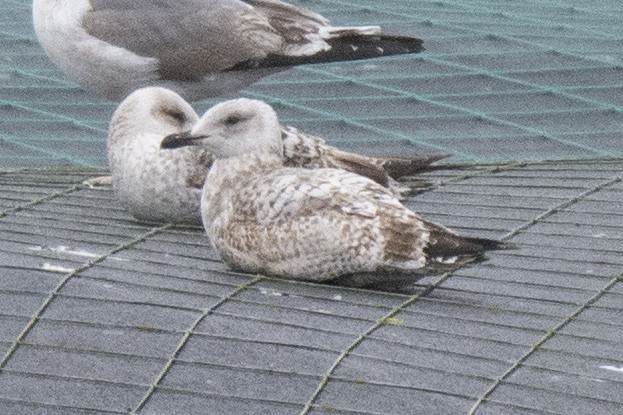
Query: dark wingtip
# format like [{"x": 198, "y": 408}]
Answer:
[
  {"x": 358, "y": 47},
  {"x": 492, "y": 244},
  {"x": 434, "y": 157},
  {"x": 444, "y": 244},
  {"x": 343, "y": 48},
  {"x": 398, "y": 167},
  {"x": 401, "y": 44},
  {"x": 465, "y": 251}
]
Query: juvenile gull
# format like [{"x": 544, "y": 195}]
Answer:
[
  {"x": 155, "y": 186},
  {"x": 199, "y": 48},
  {"x": 165, "y": 185},
  {"x": 311, "y": 224}
]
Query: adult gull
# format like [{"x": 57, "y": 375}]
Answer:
[
  {"x": 312, "y": 224},
  {"x": 199, "y": 48}
]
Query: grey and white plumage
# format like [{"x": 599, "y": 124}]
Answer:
[
  {"x": 165, "y": 185},
  {"x": 311, "y": 224},
  {"x": 155, "y": 186},
  {"x": 199, "y": 48}
]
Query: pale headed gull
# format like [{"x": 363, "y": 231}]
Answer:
[
  {"x": 309, "y": 224},
  {"x": 155, "y": 186},
  {"x": 165, "y": 185},
  {"x": 199, "y": 48}
]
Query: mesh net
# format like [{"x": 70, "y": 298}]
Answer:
[{"x": 498, "y": 82}]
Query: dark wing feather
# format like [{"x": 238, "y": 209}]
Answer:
[
  {"x": 445, "y": 245},
  {"x": 346, "y": 48},
  {"x": 361, "y": 165},
  {"x": 398, "y": 167}
]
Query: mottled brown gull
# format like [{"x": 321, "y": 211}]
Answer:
[
  {"x": 165, "y": 186},
  {"x": 311, "y": 224},
  {"x": 199, "y": 48}
]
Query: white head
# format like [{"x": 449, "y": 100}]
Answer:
[
  {"x": 232, "y": 128},
  {"x": 153, "y": 184},
  {"x": 151, "y": 110}
]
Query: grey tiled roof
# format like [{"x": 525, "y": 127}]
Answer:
[{"x": 100, "y": 312}]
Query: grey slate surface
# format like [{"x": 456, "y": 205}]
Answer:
[{"x": 102, "y": 314}]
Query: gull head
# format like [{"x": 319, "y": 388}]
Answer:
[
  {"x": 152, "y": 110},
  {"x": 233, "y": 128}
]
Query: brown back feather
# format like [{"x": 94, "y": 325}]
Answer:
[{"x": 404, "y": 240}]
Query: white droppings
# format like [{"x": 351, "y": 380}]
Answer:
[
  {"x": 266, "y": 291},
  {"x": 320, "y": 310},
  {"x": 337, "y": 297},
  {"x": 56, "y": 268},
  {"x": 115, "y": 332},
  {"x": 599, "y": 235},
  {"x": 62, "y": 249},
  {"x": 613, "y": 368},
  {"x": 114, "y": 258},
  {"x": 76, "y": 252}
]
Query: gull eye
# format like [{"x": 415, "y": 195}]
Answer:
[
  {"x": 233, "y": 119},
  {"x": 177, "y": 116}
]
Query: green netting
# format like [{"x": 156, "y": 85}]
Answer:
[{"x": 499, "y": 81}]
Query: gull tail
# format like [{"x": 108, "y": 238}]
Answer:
[{"x": 446, "y": 250}]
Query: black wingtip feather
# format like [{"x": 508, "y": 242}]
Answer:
[
  {"x": 448, "y": 248},
  {"x": 363, "y": 47},
  {"x": 344, "y": 48},
  {"x": 492, "y": 244},
  {"x": 398, "y": 167}
]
